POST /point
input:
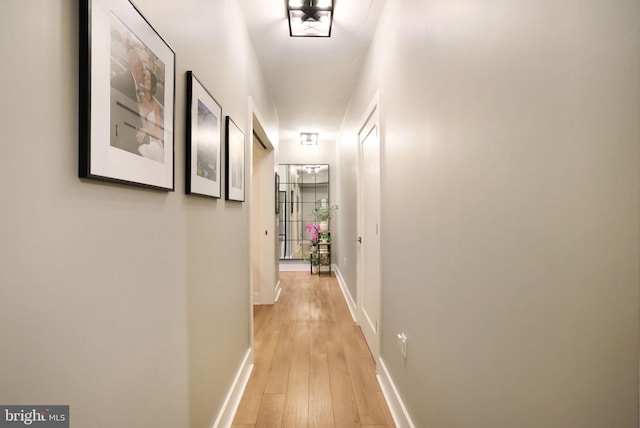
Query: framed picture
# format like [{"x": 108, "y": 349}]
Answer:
[
  {"x": 127, "y": 97},
  {"x": 204, "y": 135},
  {"x": 277, "y": 192},
  {"x": 235, "y": 162}
]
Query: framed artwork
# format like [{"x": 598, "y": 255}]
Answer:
[
  {"x": 127, "y": 97},
  {"x": 204, "y": 135},
  {"x": 234, "y": 146},
  {"x": 277, "y": 192}
]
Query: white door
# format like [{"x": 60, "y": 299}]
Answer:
[{"x": 369, "y": 246}]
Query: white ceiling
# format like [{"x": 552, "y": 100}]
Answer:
[{"x": 310, "y": 79}]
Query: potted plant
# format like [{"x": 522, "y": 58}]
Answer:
[
  {"x": 315, "y": 261},
  {"x": 325, "y": 237},
  {"x": 314, "y": 229},
  {"x": 324, "y": 214}
]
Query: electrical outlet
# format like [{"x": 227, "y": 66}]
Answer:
[{"x": 402, "y": 343}]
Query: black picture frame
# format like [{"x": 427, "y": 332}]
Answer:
[
  {"x": 235, "y": 162},
  {"x": 204, "y": 140},
  {"x": 126, "y": 97}
]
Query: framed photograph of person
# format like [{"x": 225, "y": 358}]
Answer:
[
  {"x": 204, "y": 137},
  {"x": 234, "y": 145},
  {"x": 127, "y": 97}
]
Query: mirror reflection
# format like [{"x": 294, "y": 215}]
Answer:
[{"x": 303, "y": 187}]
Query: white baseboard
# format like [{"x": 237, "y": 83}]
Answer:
[
  {"x": 261, "y": 300},
  {"x": 232, "y": 401},
  {"x": 294, "y": 266},
  {"x": 399, "y": 412},
  {"x": 278, "y": 291},
  {"x": 347, "y": 295}
]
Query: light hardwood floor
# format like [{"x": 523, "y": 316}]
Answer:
[{"x": 312, "y": 365}]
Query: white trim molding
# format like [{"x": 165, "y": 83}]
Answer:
[
  {"x": 294, "y": 266},
  {"x": 351, "y": 303},
  {"x": 232, "y": 401},
  {"x": 397, "y": 408},
  {"x": 278, "y": 291}
]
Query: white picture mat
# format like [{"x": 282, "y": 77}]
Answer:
[
  {"x": 199, "y": 184},
  {"x": 236, "y": 162}
]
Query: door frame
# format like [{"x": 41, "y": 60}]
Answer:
[
  {"x": 372, "y": 115},
  {"x": 265, "y": 241}
]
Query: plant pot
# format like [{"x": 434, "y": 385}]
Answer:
[
  {"x": 315, "y": 269},
  {"x": 324, "y": 226}
]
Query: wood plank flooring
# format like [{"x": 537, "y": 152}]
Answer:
[{"x": 312, "y": 365}]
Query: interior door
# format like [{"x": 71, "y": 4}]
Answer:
[{"x": 369, "y": 246}]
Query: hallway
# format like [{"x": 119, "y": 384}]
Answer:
[{"x": 312, "y": 365}]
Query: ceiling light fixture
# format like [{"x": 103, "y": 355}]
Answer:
[
  {"x": 310, "y": 18},
  {"x": 308, "y": 139},
  {"x": 312, "y": 168}
]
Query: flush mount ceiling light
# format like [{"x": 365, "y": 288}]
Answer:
[
  {"x": 310, "y": 18},
  {"x": 308, "y": 139}
]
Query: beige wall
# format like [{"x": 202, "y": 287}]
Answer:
[
  {"x": 291, "y": 151},
  {"x": 510, "y": 209},
  {"x": 130, "y": 305}
]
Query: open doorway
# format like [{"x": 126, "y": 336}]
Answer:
[{"x": 264, "y": 228}]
